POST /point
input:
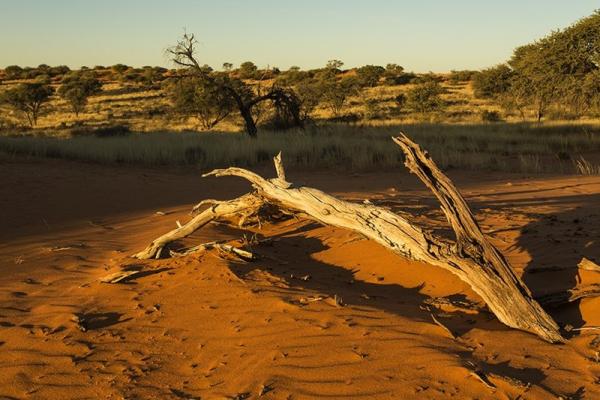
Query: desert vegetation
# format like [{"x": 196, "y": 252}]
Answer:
[{"x": 553, "y": 79}]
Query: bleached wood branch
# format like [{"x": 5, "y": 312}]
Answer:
[{"x": 471, "y": 257}]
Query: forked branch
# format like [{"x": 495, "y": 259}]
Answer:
[{"x": 472, "y": 257}]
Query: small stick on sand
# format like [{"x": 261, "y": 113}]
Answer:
[
  {"x": 480, "y": 375},
  {"x": 444, "y": 327},
  {"x": 569, "y": 328},
  {"x": 483, "y": 379},
  {"x": 119, "y": 276}
]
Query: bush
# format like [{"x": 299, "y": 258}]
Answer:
[
  {"x": 309, "y": 95},
  {"x": 119, "y": 68},
  {"x": 429, "y": 77},
  {"x": 461, "y": 76},
  {"x": 335, "y": 92},
  {"x": 77, "y": 88},
  {"x": 201, "y": 98},
  {"x": 369, "y": 75},
  {"x": 13, "y": 72},
  {"x": 403, "y": 79},
  {"x": 426, "y": 97},
  {"x": 247, "y": 70},
  {"x": 60, "y": 70},
  {"x": 400, "y": 101},
  {"x": 151, "y": 75},
  {"x": 292, "y": 76},
  {"x": 335, "y": 66},
  {"x": 372, "y": 109},
  {"x": 103, "y": 131},
  {"x": 490, "y": 116},
  {"x": 493, "y": 82}
]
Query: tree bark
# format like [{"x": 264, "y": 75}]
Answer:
[
  {"x": 472, "y": 258},
  {"x": 246, "y": 114},
  {"x": 242, "y": 206}
]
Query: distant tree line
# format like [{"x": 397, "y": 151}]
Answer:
[
  {"x": 29, "y": 97},
  {"x": 290, "y": 97}
]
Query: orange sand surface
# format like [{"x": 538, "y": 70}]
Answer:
[{"x": 323, "y": 314}]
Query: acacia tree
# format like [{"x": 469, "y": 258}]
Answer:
[
  {"x": 13, "y": 72},
  {"x": 309, "y": 93},
  {"x": 183, "y": 54},
  {"x": 335, "y": 65},
  {"x": 425, "y": 97},
  {"x": 335, "y": 92},
  {"x": 77, "y": 88},
  {"x": 536, "y": 78},
  {"x": 369, "y": 75},
  {"x": 248, "y": 70},
  {"x": 560, "y": 70},
  {"x": 200, "y": 98},
  {"x": 29, "y": 98}
]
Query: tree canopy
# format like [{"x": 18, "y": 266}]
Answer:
[
  {"x": 558, "y": 71},
  {"x": 76, "y": 88},
  {"x": 28, "y": 98}
]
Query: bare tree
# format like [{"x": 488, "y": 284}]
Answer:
[{"x": 184, "y": 55}]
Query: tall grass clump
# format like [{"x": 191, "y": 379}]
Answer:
[{"x": 584, "y": 167}]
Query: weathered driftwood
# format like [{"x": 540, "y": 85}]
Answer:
[
  {"x": 472, "y": 258},
  {"x": 119, "y": 276},
  {"x": 242, "y": 207},
  {"x": 196, "y": 249},
  {"x": 223, "y": 247}
]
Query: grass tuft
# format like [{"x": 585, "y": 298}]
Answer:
[{"x": 584, "y": 167}]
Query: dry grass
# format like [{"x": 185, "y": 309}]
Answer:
[
  {"x": 502, "y": 147},
  {"x": 584, "y": 167}
]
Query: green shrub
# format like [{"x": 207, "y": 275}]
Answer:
[
  {"x": 248, "y": 70},
  {"x": 461, "y": 76},
  {"x": 492, "y": 82},
  {"x": 77, "y": 88},
  {"x": 369, "y": 75},
  {"x": 200, "y": 98},
  {"x": 426, "y": 97}
]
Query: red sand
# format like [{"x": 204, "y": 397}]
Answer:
[{"x": 206, "y": 327}]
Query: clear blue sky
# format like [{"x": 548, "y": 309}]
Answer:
[{"x": 421, "y": 35}]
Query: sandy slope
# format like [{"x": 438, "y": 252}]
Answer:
[{"x": 208, "y": 327}]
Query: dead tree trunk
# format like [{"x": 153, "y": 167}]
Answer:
[{"x": 472, "y": 258}]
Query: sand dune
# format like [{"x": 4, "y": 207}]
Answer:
[{"x": 323, "y": 314}]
